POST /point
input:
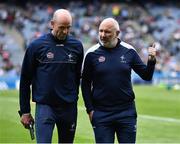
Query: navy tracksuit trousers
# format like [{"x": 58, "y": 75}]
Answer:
[
  {"x": 65, "y": 118},
  {"x": 107, "y": 124}
]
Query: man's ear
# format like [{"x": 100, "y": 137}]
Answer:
[
  {"x": 52, "y": 24},
  {"x": 117, "y": 33}
]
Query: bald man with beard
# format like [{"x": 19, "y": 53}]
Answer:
[
  {"x": 106, "y": 84},
  {"x": 52, "y": 66}
]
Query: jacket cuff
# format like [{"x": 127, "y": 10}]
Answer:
[{"x": 89, "y": 110}]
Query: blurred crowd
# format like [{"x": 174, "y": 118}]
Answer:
[
  {"x": 8, "y": 47},
  {"x": 140, "y": 26}
]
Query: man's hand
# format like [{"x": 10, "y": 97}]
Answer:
[
  {"x": 91, "y": 115},
  {"x": 152, "y": 52},
  {"x": 26, "y": 120}
]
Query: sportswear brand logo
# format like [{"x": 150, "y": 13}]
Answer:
[
  {"x": 102, "y": 59},
  {"x": 73, "y": 127},
  {"x": 135, "y": 127},
  {"x": 50, "y": 55},
  {"x": 123, "y": 59},
  {"x": 59, "y": 44}
]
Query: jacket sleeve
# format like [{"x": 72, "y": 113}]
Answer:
[
  {"x": 87, "y": 83},
  {"x": 79, "y": 67},
  {"x": 144, "y": 71},
  {"x": 27, "y": 72}
]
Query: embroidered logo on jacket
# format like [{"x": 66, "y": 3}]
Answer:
[
  {"x": 70, "y": 56},
  {"x": 123, "y": 59},
  {"x": 50, "y": 55},
  {"x": 101, "y": 59}
]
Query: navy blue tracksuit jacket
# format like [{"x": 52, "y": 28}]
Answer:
[
  {"x": 53, "y": 69},
  {"x": 106, "y": 79}
]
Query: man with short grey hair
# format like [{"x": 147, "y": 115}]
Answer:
[{"x": 106, "y": 84}]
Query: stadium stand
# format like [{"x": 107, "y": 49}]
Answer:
[{"x": 141, "y": 24}]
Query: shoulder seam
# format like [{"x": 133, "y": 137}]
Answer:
[
  {"x": 126, "y": 45},
  {"x": 91, "y": 49}
]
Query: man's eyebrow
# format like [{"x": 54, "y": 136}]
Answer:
[{"x": 64, "y": 26}]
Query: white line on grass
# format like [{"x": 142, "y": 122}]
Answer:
[
  {"x": 165, "y": 119},
  {"x": 81, "y": 108}
]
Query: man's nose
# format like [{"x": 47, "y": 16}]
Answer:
[
  {"x": 65, "y": 31},
  {"x": 103, "y": 34}
]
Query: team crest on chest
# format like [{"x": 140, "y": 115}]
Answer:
[
  {"x": 50, "y": 55},
  {"x": 123, "y": 59},
  {"x": 70, "y": 56},
  {"x": 101, "y": 59}
]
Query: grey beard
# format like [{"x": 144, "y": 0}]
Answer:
[{"x": 111, "y": 45}]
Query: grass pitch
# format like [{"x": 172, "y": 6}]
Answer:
[{"x": 158, "y": 118}]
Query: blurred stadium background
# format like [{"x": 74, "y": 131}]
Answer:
[{"x": 141, "y": 23}]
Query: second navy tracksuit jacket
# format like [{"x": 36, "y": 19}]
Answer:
[{"x": 106, "y": 79}]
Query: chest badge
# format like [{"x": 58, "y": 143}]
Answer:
[
  {"x": 70, "y": 56},
  {"x": 101, "y": 59},
  {"x": 123, "y": 59},
  {"x": 50, "y": 55}
]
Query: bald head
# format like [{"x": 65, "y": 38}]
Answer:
[
  {"x": 111, "y": 22},
  {"x": 61, "y": 23},
  {"x": 61, "y": 15}
]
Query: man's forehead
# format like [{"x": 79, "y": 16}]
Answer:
[
  {"x": 63, "y": 21},
  {"x": 106, "y": 25},
  {"x": 64, "y": 25},
  {"x": 62, "y": 18},
  {"x": 109, "y": 23}
]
